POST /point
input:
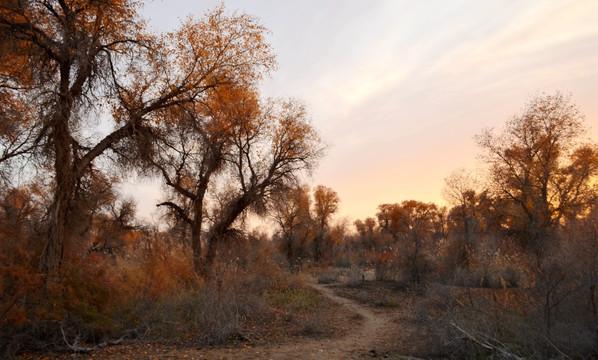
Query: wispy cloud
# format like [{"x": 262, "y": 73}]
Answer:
[{"x": 398, "y": 88}]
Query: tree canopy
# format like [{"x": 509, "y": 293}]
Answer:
[{"x": 541, "y": 162}]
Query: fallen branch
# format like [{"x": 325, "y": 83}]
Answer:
[
  {"x": 79, "y": 349},
  {"x": 487, "y": 344},
  {"x": 557, "y": 349},
  {"x": 74, "y": 346}
]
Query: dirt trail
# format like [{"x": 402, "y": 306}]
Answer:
[{"x": 360, "y": 343}]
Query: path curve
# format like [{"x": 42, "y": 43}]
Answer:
[{"x": 359, "y": 343}]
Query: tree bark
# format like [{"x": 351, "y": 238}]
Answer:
[{"x": 64, "y": 180}]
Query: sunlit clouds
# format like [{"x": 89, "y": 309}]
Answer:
[{"x": 398, "y": 89}]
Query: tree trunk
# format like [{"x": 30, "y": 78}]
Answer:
[
  {"x": 196, "y": 223},
  {"x": 196, "y": 243},
  {"x": 415, "y": 264},
  {"x": 466, "y": 258},
  {"x": 60, "y": 211},
  {"x": 220, "y": 228},
  {"x": 288, "y": 238},
  {"x": 200, "y": 193},
  {"x": 318, "y": 247}
]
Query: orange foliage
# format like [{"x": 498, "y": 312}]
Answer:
[
  {"x": 385, "y": 257},
  {"x": 19, "y": 278},
  {"x": 326, "y": 203}
]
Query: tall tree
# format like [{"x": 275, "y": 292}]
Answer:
[
  {"x": 232, "y": 141},
  {"x": 64, "y": 59},
  {"x": 326, "y": 203},
  {"x": 195, "y": 149},
  {"x": 291, "y": 211},
  {"x": 541, "y": 163},
  {"x": 389, "y": 219},
  {"x": 267, "y": 155},
  {"x": 418, "y": 222},
  {"x": 460, "y": 192}
]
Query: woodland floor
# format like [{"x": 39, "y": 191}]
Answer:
[{"x": 366, "y": 320}]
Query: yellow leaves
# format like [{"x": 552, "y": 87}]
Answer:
[
  {"x": 409, "y": 215},
  {"x": 529, "y": 204},
  {"x": 232, "y": 108},
  {"x": 293, "y": 135},
  {"x": 111, "y": 19},
  {"x": 326, "y": 203},
  {"x": 220, "y": 48}
]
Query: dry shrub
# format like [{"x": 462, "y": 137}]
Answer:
[
  {"x": 516, "y": 304},
  {"x": 20, "y": 280},
  {"x": 511, "y": 321},
  {"x": 301, "y": 308},
  {"x": 350, "y": 276},
  {"x": 146, "y": 290},
  {"x": 485, "y": 278},
  {"x": 202, "y": 316},
  {"x": 329, "y": 276},
  {"x": 172, "y": 303},
  {"x": 156, "y": 272},
  {"x": 387, "y": 265},
  {"x": 19, "y": 292},
  {"x": 97, "y": 297},
  {"x": 222, "y": 308}
]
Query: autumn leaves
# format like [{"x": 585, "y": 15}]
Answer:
[{"x": 184, "y": 105}]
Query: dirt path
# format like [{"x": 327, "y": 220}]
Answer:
[{"x": 361, "y": 343}]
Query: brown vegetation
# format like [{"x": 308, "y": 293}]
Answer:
[{"x": 510, "y": 270}]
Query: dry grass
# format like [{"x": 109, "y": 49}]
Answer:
[{"x": 466, "y": 323}]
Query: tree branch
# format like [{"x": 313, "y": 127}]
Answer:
[{"x": 177, "y": 209}]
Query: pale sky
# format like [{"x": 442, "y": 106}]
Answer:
[{"x": 398, "y": 89}]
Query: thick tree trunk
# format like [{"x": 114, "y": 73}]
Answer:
[
  {"x": 289, "y": 239},
  {"x": 219, "y": 229},
  {"x": 64, "y": 188},
  {"x": 318, "y": 247},
  {"x": 202, "y": 187},
  {"x": 57, "y": 234}
]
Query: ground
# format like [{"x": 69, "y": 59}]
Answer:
[{"x": 366, "y": 319}]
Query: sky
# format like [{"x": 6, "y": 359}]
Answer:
[{"x": 398, "y": 89}]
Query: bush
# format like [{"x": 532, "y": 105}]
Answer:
[
  {"x": 150, "y": 291},
  {"x": 328, "y": 276},
  {"x": 350, "y": 276},
  {"x": 387, "y": 264}
]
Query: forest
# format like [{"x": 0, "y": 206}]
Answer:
[{"x": 91, "y": 95}]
